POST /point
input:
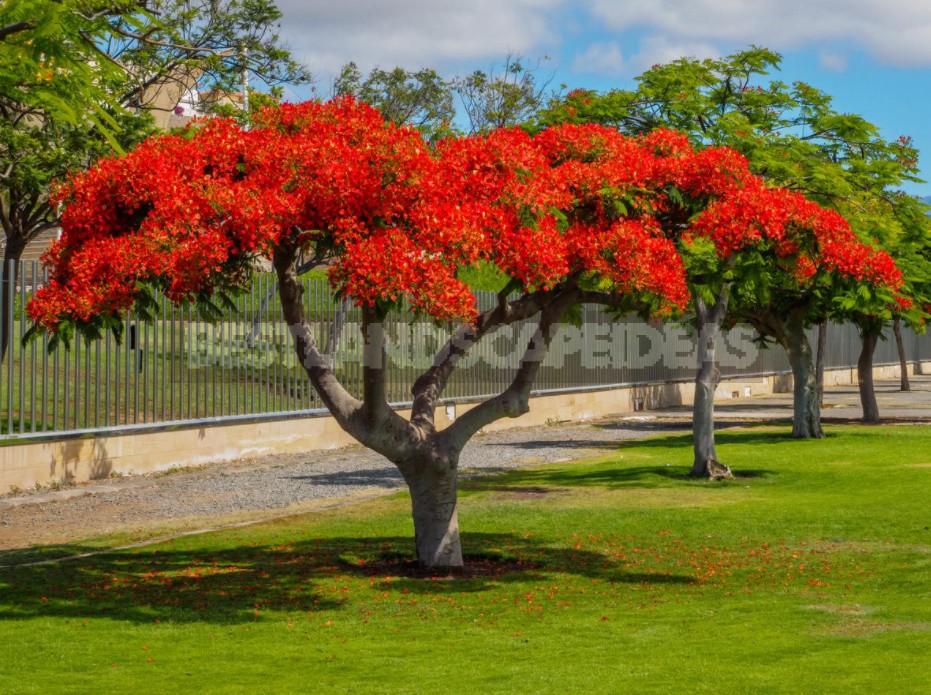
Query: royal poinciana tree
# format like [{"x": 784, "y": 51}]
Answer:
[
  {"x": 573, "y": 215},
  {"x": 765, "y": 255},
  {"x": 793, "y": 137}
]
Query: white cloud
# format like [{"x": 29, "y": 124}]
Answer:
[
  {"x": 832, "y": 60},
  {"x": 898, "y": 32},
  {"x": 414, "y": 33},
  {"x": 603, "y": 58},
  {"x": 662, "y": 49}
]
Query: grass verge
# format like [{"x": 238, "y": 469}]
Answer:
[{"x": 811, "y": 572}]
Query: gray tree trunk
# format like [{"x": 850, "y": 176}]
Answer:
[
  {"x": 865, "y": 379},
  {"x": 12, "y": 253},
  {"x": 433, "y": 484},
  {"x": 900, "y": 347},
  {"x": 819, "y": 363},
  {"x": 706, "y": 464},
  {"x": 806, "y": 419}
]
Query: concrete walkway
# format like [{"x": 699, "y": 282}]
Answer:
[{"x": 841, "y": 403}]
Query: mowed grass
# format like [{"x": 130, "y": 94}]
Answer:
[{"x": 811, "y": 572}]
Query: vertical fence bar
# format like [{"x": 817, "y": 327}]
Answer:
[
  {"x": 162, "y": 354},
  {"x": 212, "y": 393},
  {"x": 87, "y": 384},
  {"x": 117, "y": 372},
  {"x": 142, "y": 366},
  {"x": 66, "y": 384},
  {"x": 8, "y": 327},
  {"x": 134, "y": 370},
  {"x": 252, "y": 335},
  {"x": 55, "y": 369},
  {"x": 14, "y": 344},
  {"x": 76, "y": 352},
  {"x": 126, "y": 368},
  {"x": 193, "y": 353},
  {"x": 33, "y": 362},
  {"x": 278, "y": 377},
  {"x": 177, "y": 355},
  {"x": 107, "y": 393},
  {"x": 45, "y": 365},
  {"x": 98, "y": 349},
  {"x": 241, "y": 355},
  {"x": 224, "y": 370}
]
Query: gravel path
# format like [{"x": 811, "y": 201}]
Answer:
[
  {"x": 261, "y": 488},
  {"x": 273, "y": 485}
]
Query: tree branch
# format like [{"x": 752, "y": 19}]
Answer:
[
  {"x": 343, "y": 406},
  {"x": 388, "y": 433},
  {"x": 513, "y": 401},
  {"x": 374, "y": 366},
  {"x": 429, "y": 386},
  {"x": 146, "y": 38},
  {"x": 16, "y": 28}
]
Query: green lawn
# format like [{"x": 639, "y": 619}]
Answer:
[{"x": 809, "y": 573}]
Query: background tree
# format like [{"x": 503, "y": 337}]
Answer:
[
  {"x": 420, "y": 98},
  {"x": 906, "y": 233},
  {"x": 110, "y": 58},
  {"x": 507, "y": 96},
  {"x": 51, "y": 64},
  {"x": 211, "y": 42}
]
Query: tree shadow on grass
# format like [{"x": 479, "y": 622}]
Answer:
[
  {"x": 629, "y": 470},
  {"x": 170, "y": 582},
  {"x": 609, "y": 476}
]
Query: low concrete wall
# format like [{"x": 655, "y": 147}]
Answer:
[{"x": 80, "y": 459}]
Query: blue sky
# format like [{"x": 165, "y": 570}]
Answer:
[{"x": 872, "y": 56}]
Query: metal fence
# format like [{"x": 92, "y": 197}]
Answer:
[{"x": 179, "y": 369}]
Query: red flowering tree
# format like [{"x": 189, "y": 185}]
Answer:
[
  {"x": 794, "y": 138},
  {"x": 188, "y": 215},
  {"x": 576, "y": 214},
  {"x": 763, "y": 255}
]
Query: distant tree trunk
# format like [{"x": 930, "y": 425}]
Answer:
[
  {"x": 900, "y": 347},
  {"x": 12, "y": 253},
  {"x": 819, "y": 364},
  {"x": 706, "y": 464},
  {"x": 865, "y": 378},
  {"x": 336, "y": 328},
  {"x": 806, "y": 420}
]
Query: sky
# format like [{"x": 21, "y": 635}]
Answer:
[{"x": 872, "y": 56}]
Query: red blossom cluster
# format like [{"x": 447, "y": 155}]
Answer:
[{"x": 190, "y": 213}]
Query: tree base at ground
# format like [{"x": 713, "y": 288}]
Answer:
[{"x": 712, "y": 469}]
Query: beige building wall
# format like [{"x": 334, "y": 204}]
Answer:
[{"x": 161, "y": 98}]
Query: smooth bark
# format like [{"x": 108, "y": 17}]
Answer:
[
  {"x": 12, "y": 253},
  {"x": 819, "y": 362},
  {"x": 432, "y": 482},
  {"x": 865, "y": 378},
  {"x": 706, "y": 464},
  {"x": 900, "y": 347},
  {"x": 806, "y": 418}
]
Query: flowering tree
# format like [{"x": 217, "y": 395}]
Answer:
[
  {"x": 793, "y": 137},
  {"x": 768, "y": 256},
  {"x": 573, "y": 215}
]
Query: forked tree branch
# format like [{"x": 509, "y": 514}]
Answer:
[{"x": 514, "y": 400}]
